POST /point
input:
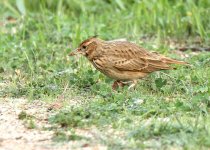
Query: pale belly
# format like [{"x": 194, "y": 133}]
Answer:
[{"x": 123, "y": 75}]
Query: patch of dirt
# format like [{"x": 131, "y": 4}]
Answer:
[{"x": 15, "y": 134}]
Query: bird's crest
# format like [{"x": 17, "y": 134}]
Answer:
[{"x": 89, "y": 39}]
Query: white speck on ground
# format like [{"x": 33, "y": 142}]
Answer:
[{"x": 15, "y": 135}]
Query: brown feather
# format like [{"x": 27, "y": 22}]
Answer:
[{"x": 124, "y": 60}]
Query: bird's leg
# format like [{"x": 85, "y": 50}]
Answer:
[
  {"x": 117, "y": 84},
  {"x": 126, "y": 82},
  {"x": 133, "y": 84}
]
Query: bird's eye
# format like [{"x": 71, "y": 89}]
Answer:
[{"x": 84, "y": 47}]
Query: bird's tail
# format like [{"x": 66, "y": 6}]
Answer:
[
  {"x": 169, "y": 61},
  {"x": 173, "y": 61}
]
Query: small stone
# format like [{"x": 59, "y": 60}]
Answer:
[{"x": 138, "y": 101}]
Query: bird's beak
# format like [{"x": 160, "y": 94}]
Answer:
[{"x": 74, "y": 52}]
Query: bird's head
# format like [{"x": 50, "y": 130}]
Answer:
[{"x": 86, "y": 48}]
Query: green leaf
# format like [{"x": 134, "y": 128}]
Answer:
[
  {"x": 159, "y": 82},
  {"x": 120, "y": 4},
  {"x": 21, "y": 6},
  {"x": 203, "y": 89}
]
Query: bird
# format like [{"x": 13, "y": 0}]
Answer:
[{"x": 123, "y": 61}]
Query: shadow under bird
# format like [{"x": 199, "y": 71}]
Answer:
[{"x": 123, "y": 61}]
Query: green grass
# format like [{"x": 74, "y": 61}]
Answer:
[{"x": 168, "y": 109}]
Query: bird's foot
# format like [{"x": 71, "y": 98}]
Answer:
[
  {"x": 133, "y": 84},
  {"x": 117, "y": 84}
]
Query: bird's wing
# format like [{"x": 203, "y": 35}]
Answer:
[
  {"x": 132, "y": 64},
  {"x": 129, "y": 57}
]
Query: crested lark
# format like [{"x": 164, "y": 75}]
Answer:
[{"x": 123, "y": 61}]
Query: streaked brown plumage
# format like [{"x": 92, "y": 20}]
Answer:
[{"x": 122, "y": 60}]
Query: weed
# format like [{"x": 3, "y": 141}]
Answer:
[{"x": 168, "y": 109}]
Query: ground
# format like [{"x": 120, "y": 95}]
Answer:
[
  {"x": 52, "y": 101},
  {"x": 17, "y": 134}
]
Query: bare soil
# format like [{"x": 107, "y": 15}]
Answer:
[{"x": 16, "y": 134}]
